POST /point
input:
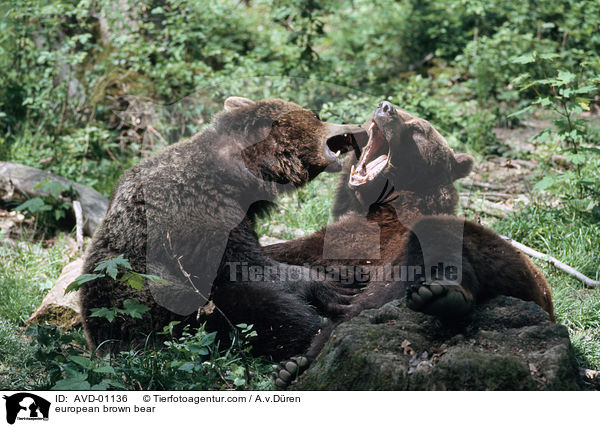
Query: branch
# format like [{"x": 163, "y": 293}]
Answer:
[
  {"x": 78, "y": 223},
  {"x": 589, "y": 283},
  {"x": 234, "y": 329},
  {"x": 489, "y": 208}
]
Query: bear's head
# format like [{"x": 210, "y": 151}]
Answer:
[
  {"x": 406, "y": 153},
  {"x": 285, "y": 143}
]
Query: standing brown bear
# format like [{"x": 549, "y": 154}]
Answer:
[
  {"x": 186, "y": 215},
  {"x": 395, "y": 208}
]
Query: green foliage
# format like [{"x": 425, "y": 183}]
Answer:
[
  {"x": 303, "y": 20},
  {"x": 110, "y": 267},
  {"x": 567, "y": 95},
  {"x": 77, "y": 78},
  {"x": 65, "y": 366},
  {"x": 87, "y": 88},
  {"x": 131, "y": 308},
  {"x": 190, "y": 361},
  {"x": 49, "y": 210},
  {"x": 27, "y": 270},
  {"x": 59, "y": 360}
]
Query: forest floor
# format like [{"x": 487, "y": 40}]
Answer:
[{"x": 498, "y": 193}]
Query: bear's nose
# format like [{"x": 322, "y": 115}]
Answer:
[{"x": 386, "y": 108}]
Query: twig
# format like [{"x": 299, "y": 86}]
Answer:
[
  {"x": 487, "y": 195},
  {"x": 157, "y": 133},
  {"x": 485, "y": 206},
  {"x": 78, "y": 223},
  {"x": 236, "y": 334},
  {"x": 590, "y": 283},
  {"x": 483, "y": 185}
]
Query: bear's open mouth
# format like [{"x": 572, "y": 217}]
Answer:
[
  {"x": 374, "y": 158},
  {"x": 340, "y": 144}
]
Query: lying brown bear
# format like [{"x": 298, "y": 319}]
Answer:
[
  {"x": 186, "y": 214},
  {"x": 395, "y": 211}
]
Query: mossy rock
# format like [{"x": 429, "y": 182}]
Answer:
[{"x": 506, "y": 344}]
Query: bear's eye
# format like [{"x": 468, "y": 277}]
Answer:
[{"x": 316, "y": 116}]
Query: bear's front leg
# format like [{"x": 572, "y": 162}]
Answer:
[
  {"x": 331, "y": 298},
  {"x": 301, "y": 251}
]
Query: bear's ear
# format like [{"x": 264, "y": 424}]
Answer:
[
  {"x": 464, "y": 164},
  {"x": 235, "y": 102}
]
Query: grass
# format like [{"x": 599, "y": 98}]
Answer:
[
  {"x": 43, "y": 357},
  {"x": 302, "y": 212},
  {"x": 28, "y": 268},
  {"x": 574, "y": 239}
]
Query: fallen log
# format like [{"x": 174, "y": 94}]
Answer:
[
  {"x": 58, "y": 308},
  {"x": 24, "y": 180}
]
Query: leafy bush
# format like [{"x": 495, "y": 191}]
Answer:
[
  {"x": 567, "y": 95},
  {"x": 51, "y": 209},
  {"x": 192, "y": 361}
]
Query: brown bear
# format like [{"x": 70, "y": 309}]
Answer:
[
  {"x": 186, "y": 215},
  {"x": 394, "y": 207}
]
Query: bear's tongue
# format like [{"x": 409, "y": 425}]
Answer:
[{"x": 374, "y": 158}]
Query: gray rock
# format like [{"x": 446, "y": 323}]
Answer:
[
  {"x": 506, "y": 344},
  {"x": 24, "y": 179}
]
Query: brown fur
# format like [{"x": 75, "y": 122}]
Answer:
[
  {"x": 421, "y": 171},
  {"x": 191, "y": 207}
]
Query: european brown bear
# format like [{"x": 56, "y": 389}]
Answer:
[
  {"x": 395, "y": 208},
  {"x": 186, "y": 215}
]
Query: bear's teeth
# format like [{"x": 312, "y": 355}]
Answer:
[
  {"x": 352, "y": 170},
  {"x": 338, "y": 153}
]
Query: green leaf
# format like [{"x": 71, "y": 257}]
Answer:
[
  {"x": 134, "y": 309},
  {"x": 577, "y": 158},
  {"x": 111, "y": 266},
  {"x": 55, "y": 188},
  {"x": 566, "y": 77},
  {"x": 186, "y": 367},
  {"x": 80, "y": 281},
  {"x": 133, "y": 280},
  {"x": 584, "y": 103},
  {"x": 108, "y": 313},
  {"x": 74, "y": 381},
  {"x": 81, "y": 361},
  {"x": 546, "y": 182},
  {"x": 153, "y": 278},
  {"x": 106, "y": 369},
  {"x": 199, "y": 349},
  {"x": 523, "y": 59},
  {"x": 591, "y": 205},
  {"x": 585, "y": 89},
  {"x": 208, "y": 339},
  {"x": 544, "y": 102},
  {"x": 34, "y": 205},
  {"x": 521, "y": 111},
  {"x": 548, "y": 55},
  {"x": 102, "y": 385}
]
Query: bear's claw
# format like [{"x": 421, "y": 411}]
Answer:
[
  {"x": 440, "y": 298},
  {"x": 289, "y": 370}
]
